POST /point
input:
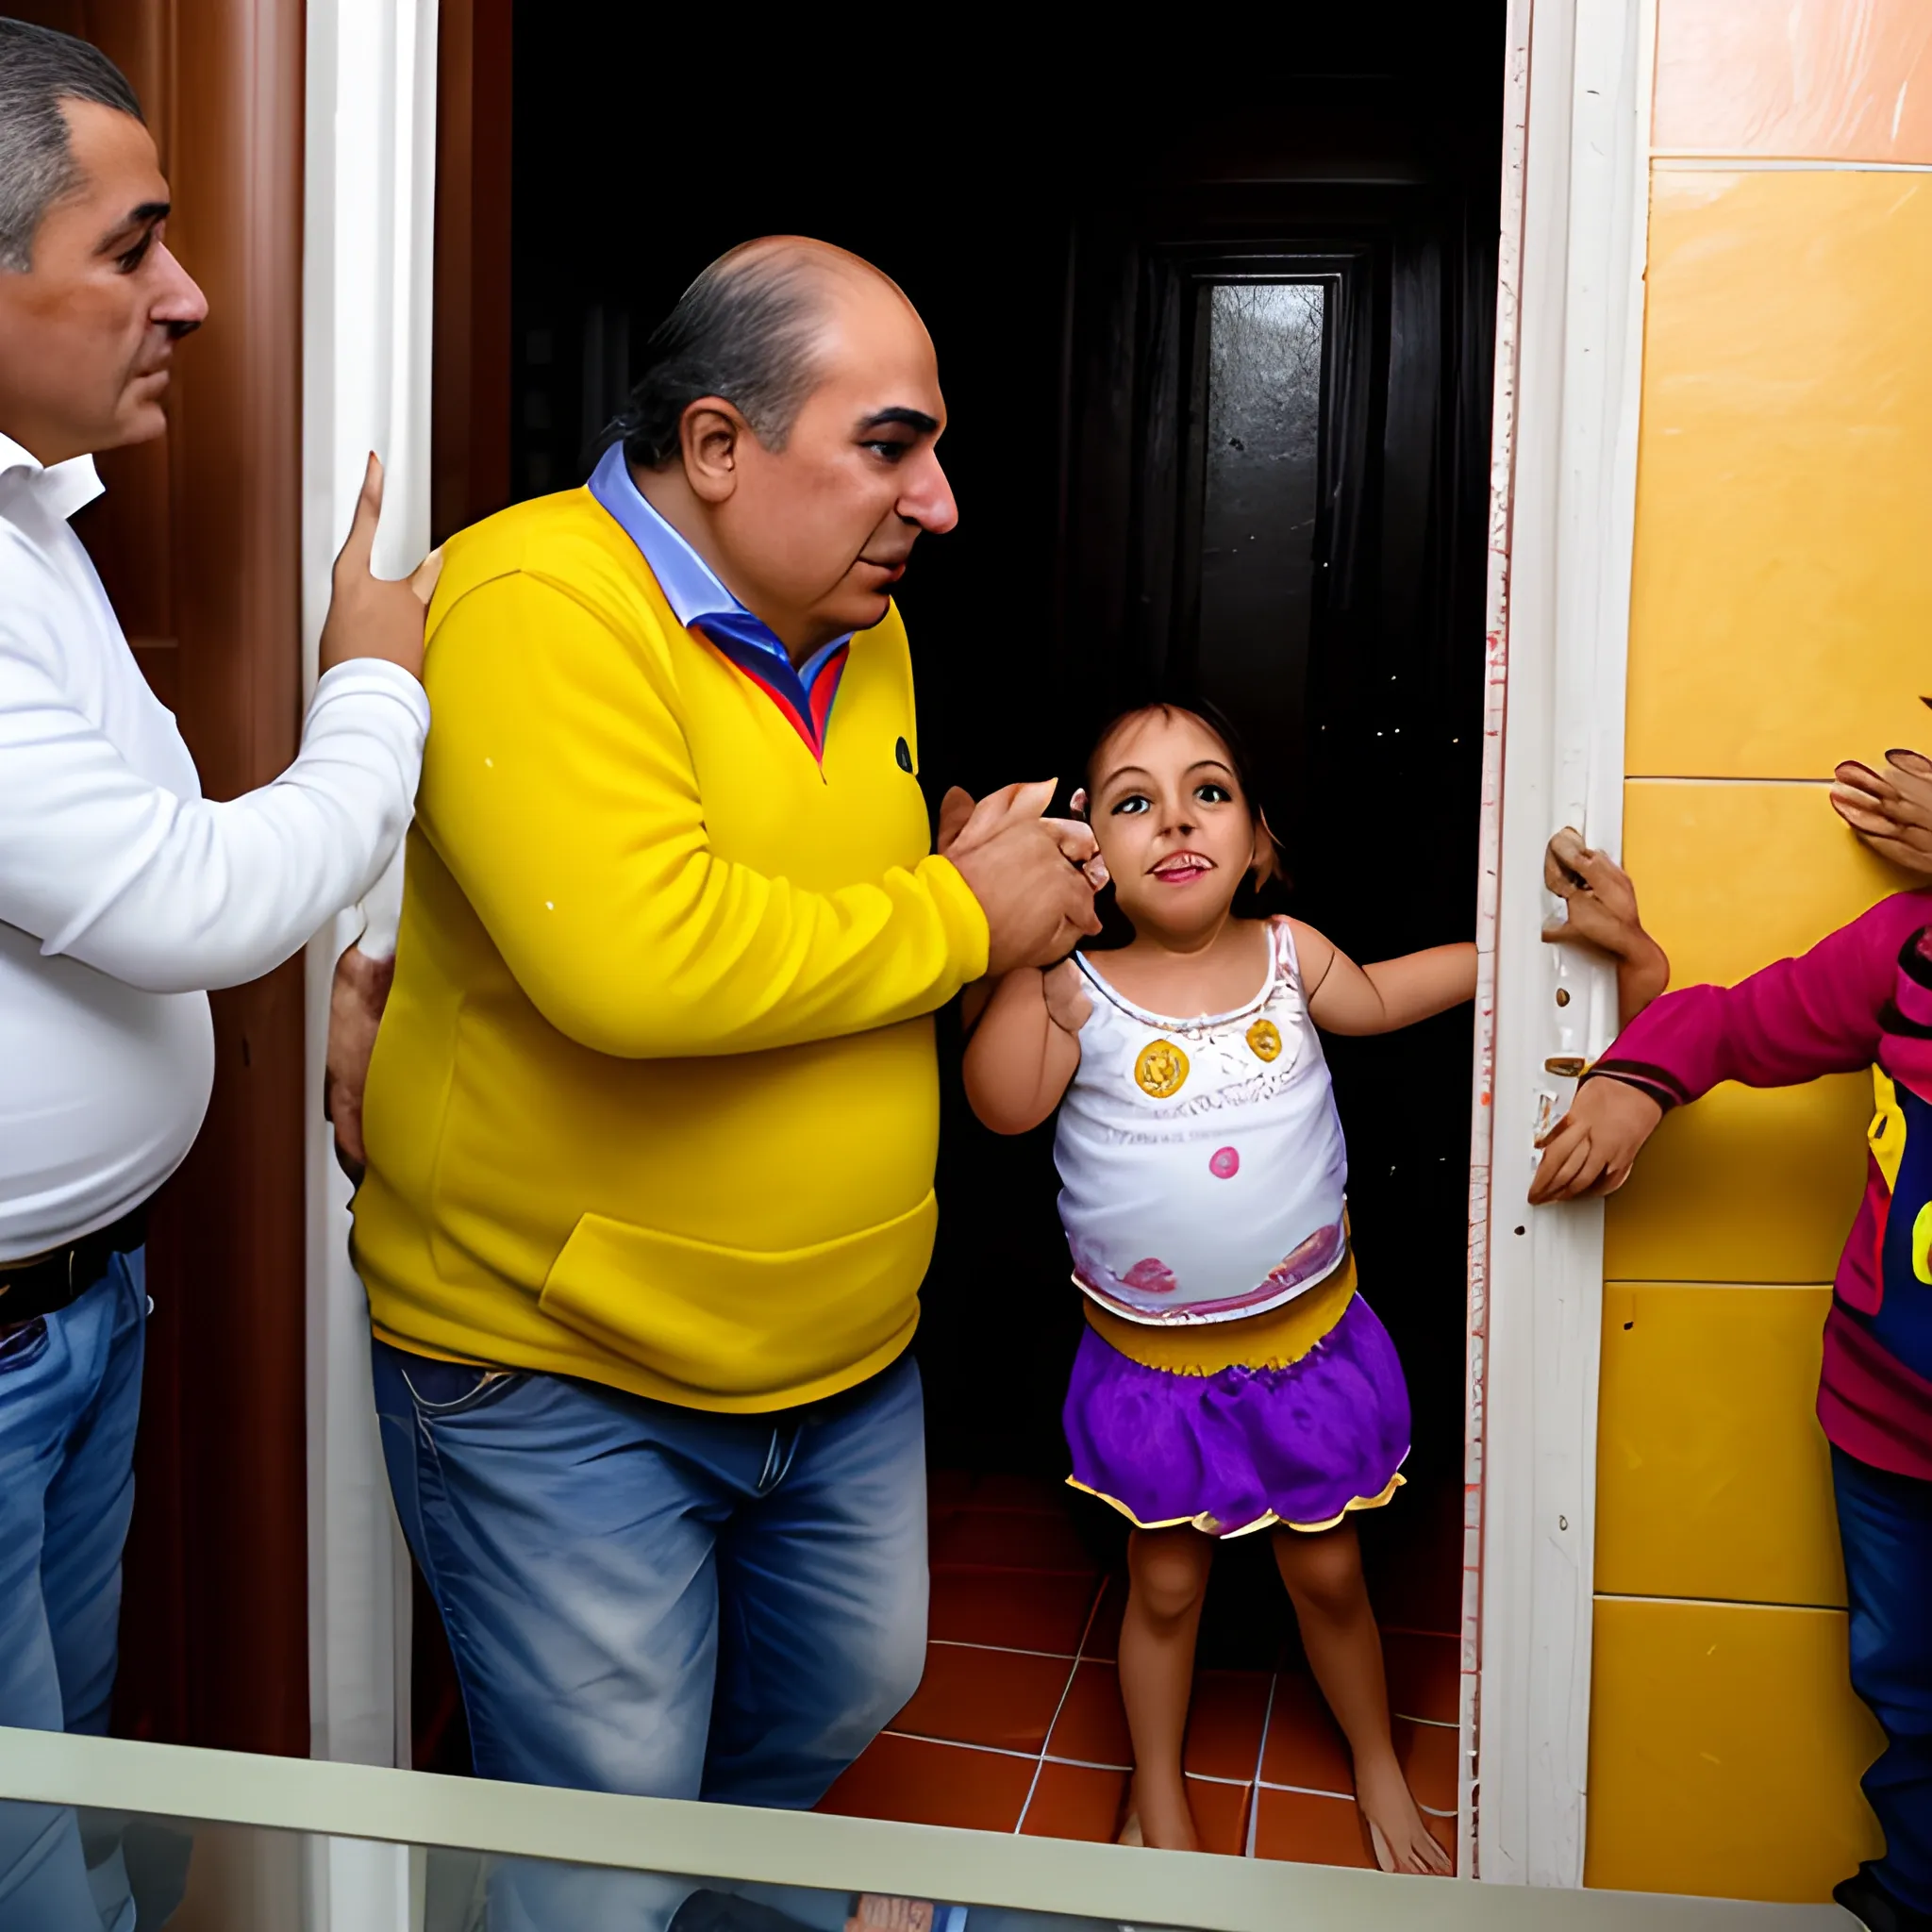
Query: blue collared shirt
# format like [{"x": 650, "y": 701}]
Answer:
[{"x": 691, "y": 589}]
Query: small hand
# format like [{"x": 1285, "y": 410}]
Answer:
[
  {"x": 1598, "y": 898},
  {"x": 1891, "y": 810},
  {"x": 1592, "y": 1148},
  {"x": 371, "y": 616},
  {"x": 1067, "y": 1003},
  {"x": 1600, "y": 909},
  {"x": 355, "y": 1001}
]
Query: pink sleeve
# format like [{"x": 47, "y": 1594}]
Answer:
[{"x": 1819, "y": 1013}]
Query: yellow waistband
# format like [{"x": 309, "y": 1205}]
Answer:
[{"x": 1272, "y": 1340}]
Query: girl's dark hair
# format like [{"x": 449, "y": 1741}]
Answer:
[{"x": 1268, "y": 868}]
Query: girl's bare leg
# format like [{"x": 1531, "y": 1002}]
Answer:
[
  {"x": 1167, "y": 1570},
  {"x": 1324, "y": 1574}
]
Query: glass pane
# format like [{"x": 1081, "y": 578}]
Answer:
[
  {"x": 1261, "y": 473},
  {"x": 190, "y": 1875}
]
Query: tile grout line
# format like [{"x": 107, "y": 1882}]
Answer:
[
  {"x": 1002, "y": 1649},
  {"x": 1066, "y": 1691},
  {"x": 1260, "y": 1757},
  {"x": 1307, "y": 1791},
  {"x": 961, "y": 1744}
]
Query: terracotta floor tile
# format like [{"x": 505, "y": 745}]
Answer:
[
  {"x": 1221, "y": 1815},
  {"x": 1091, "y": 1725},
  {"x": 1075, "y": 1801},
  {"x": 921, "y": 1783},
  {"x": 1010, "y": 1539},
  {"x": 1224, "y": 1723},
  {"x": 1311, "y": 1830},
  {"x": 1305, "y": 1747},
  {"x": 1424, "y": 1676},
  {"x": 1029, "y": 1495},
  {"x": 1428, "y": 1754},
  {"x": 972, "y": 1696},
  {"x": 1415, "y": 1564},
  {"x": 1021, "y": 1611},
  {"x": 1104, "y": 1637},
  {"x": 947, "y": 1489}
]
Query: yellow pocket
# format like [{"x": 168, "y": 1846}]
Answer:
[{"x": 741, "y": 1321}]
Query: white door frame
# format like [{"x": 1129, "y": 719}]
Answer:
[
  {"x": 369, "y": 216},
  {"x": 1569, "y": 366}
]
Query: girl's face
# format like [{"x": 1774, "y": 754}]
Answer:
[{"x": 1171, "y": 824}]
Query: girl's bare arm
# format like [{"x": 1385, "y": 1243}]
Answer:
[
  {"x": 1021, "y": 1055},
  {"x": 1386, "y": 994}
]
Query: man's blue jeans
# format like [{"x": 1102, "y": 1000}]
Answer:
[
  {"x": 1885, "y": 1525},
  {"x": 70, "y": 1396},
  {"x": 664, "y": 1601}
]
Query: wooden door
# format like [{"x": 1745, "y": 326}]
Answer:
[{"x": 198, "y": 540}]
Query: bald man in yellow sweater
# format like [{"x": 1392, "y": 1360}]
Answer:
[{"x": 652, "y": 1116}]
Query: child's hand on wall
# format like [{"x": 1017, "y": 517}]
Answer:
[
  {"x": 1600, "y": 903},
  {"x": 1591, "y": 1149},
  {"x": 1891, "y": 810}
]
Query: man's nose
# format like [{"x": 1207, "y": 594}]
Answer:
[
  {"x": 178, "y": 301},
  {"x": 927, "y": 499}
]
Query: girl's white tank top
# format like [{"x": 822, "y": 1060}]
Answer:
[{"x": 1201, "y": 1167}]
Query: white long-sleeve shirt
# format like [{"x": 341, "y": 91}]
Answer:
[{"x": 125, "y": 894}]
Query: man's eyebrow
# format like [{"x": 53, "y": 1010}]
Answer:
[
  {"x": 912, "y": 418},
  {"x": 143, "y": 216}
]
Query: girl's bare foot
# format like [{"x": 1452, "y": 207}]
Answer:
[
  {"x": 1159, "y": 1809},
  {"x": 1397, "y": 1829}
]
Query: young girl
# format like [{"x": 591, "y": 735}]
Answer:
[{"x": 1230, "y": 1379}]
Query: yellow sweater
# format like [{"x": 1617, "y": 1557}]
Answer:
[{"x": 655, "y": 1099}]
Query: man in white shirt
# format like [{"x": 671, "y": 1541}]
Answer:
[{"x": 124, "y": 894}]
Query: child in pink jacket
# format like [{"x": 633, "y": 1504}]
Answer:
[{"x": 1859, "y": 999}]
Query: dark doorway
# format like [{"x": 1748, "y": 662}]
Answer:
[{"x": 1218, "y": 362}]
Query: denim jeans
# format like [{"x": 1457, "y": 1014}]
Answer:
[
  {"x": 658, "y": 1600},
  {"x": 1885, "y": 1527},
  {"x": 70, "y": 1396}
]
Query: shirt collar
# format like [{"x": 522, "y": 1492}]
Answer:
[
  {"x": 690, "y": 586},
  {"x": 61, "y": 488}
]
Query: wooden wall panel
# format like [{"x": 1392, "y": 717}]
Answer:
[
  {"x": 198, "y": 540},
  {"x": 469, "y": 385}
]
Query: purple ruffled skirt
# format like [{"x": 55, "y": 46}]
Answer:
[{"x": 1244, "y": 1448}]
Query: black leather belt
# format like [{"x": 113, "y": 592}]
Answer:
[{"x": 44, "y": 1283}]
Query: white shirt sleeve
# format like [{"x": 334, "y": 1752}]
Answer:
[
  {"x": 172, "y": 894},
  {"x": 382, "y": 910}
]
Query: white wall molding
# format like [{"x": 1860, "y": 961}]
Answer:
[
  {"x": 367, "y": 278},
  {"x": 1567, "y": 420}
]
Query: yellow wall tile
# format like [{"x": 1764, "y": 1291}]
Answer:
[
  {"x": 1713, "y": 1477},
  {"x": 1744, "y": 1186},
  {"x": 1725, "y": 1749},
  {"x": 1782, "y": 595},
  {"x": 1732, "y": 876},
  {"x": 1805, "y": 78}
]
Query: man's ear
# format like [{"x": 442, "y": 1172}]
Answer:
[
  {"x": 710, "y": 434},
  {"x": 1077, "y": 804}
]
